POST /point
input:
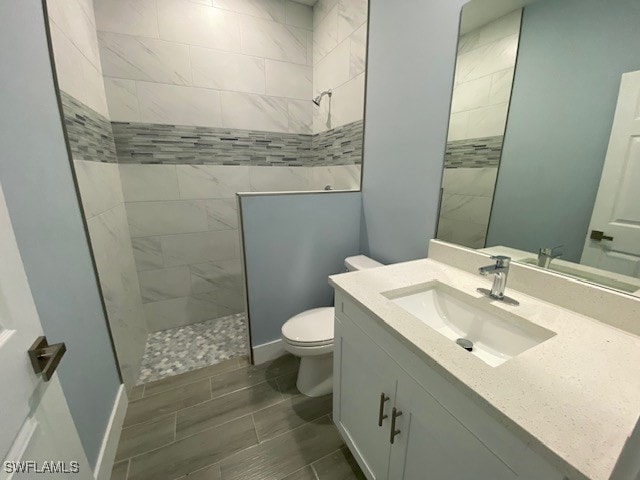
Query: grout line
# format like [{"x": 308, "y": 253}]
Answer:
[
  {"x": 302, "y": 469},
  {"x": 255, "y": 428},
  {"x": 170, "y": 390},
  {"x": 339, "y": 449},
  {"x": 194, "y": 381},
  {"x": 139, "y": 454},
  {"x": 183, "y": 477},
  {"x": 206, "y": 47},
  {"x": 189, "y": 436},
  {"x": 175, "y": 427},
  {"x": 164, "y": 416},
  {"x": 240, "y": 415},
  {"x": 268, "y": 440},
  {"x": 126, "y": 475},
  {"x": 157, "y": 15},
  {"x": 200, "y": 86},
  {"x": 313, "y": 470},
  {"x": 275, "y": 404}
]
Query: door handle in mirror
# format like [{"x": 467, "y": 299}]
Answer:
[
  {"x": 45, "y": 358},
  {"x": 599, "y": 235},
  {"x": 381, "y": 414}
]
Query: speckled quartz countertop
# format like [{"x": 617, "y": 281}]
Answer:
[{"x": 577, "y": 393}]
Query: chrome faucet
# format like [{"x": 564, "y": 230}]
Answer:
[
  {"x": 500, "y": 270},
  {"x": 546, "y": 254}
]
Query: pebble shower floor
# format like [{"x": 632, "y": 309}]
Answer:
[{"x": 178, "y": 350}]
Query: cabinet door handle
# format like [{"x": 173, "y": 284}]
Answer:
[
  {"x": 395, "y": 413},
  {"x": 381, "y": 414}
]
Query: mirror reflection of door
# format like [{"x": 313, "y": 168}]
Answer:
[{"x": 556, "y": 133}]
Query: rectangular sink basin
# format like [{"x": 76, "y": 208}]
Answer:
[{"x": 496, "y": 334}]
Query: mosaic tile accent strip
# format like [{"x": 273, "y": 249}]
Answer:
[
  {"x": 474, "y": 153},
  {"x": 173, "y": 144},
  {"x": 178, "y": 350},
  {"x": 339, "y": 146},
  {"x": 90, "y": 134},
  {"x": 149, "y": 143}
]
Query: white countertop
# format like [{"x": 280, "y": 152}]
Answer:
[{"x": 577, "y": 393}]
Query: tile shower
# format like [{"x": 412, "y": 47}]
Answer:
[
  {"x": 482, "y": 88},
  {"x": 200, "y": 100}
]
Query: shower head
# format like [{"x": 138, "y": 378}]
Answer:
[{"x": 318, "y": 98}]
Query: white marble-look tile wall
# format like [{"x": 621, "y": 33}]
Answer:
[
  {"x": 467, "y": 196},
  {"x": 106, "y": 217},
  {"x": 339, "y": 55},
  {"x": 183, "y": 223},
  {"x": 222, "y": 63},
  {"x": 484, "y": 74},
  {"x": 75, "y": 51}
]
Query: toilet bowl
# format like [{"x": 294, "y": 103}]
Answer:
[{"x": 309, "y": 335}]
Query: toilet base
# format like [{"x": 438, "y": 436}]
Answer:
[{"x": 315, "y": 377}]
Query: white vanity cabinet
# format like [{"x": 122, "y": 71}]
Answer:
[
  {"x": 431, "y": 443},
  {"x": 372, "y": 385},
  {"x": 368, "y": 387}
]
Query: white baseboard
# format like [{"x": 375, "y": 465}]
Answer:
[
  {"x": 268, "y": 351},
  {"x": 107, "y": 456}
]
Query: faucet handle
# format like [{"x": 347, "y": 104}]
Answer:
[{"x": 501, "y": 260}]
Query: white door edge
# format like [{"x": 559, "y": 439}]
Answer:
[
  {"x": 107, "y": 455},
  {"x": 20, "y": 444}
]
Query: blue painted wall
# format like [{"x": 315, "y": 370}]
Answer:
[
  {"x": 292, "y": 244},
  {"x": 412, "y": 49},
  {"x": 38, "y": 185},
  {"x": 571, "y": 56}
]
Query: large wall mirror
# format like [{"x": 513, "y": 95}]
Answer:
[{"x": 543, "y": 153}]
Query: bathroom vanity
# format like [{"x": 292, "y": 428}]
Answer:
[{"x": 546, "y": 393}]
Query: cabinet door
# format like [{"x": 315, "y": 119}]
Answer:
[
  {"x": 363, "y": 372},
  {"x": 433, "y": 445}
]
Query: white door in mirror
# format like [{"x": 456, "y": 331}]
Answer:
[
  {"x": 613, "y": 240},
  {"x": 37, "y": 433}
]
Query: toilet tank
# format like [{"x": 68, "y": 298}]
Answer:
[{"x": 360, "y": 262}]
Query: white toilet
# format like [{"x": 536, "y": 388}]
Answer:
[{"x": 309, "y": 335}]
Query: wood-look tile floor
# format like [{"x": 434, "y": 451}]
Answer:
[{"x": 231, "y": 421}]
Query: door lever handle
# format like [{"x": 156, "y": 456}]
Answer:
[
  {"x": 599, "y": 235},
  {"x": 45, "y": 358},
  {"x": 381, "y": 414}
]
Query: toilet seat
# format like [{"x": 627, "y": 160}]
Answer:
[
  {"x": 312, "y": 328},
  {"x": 308, "y": 344}
]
